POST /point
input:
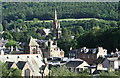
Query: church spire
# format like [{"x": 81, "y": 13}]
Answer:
[
  {"x": 55, "y": 21},
  {"x": 55, "y": 15}
]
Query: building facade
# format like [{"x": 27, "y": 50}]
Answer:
[{"x": 90, "y": 55}]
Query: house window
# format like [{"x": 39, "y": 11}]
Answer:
[
  {"x": 34, "y": 51},
  {"x": 27, "y": 73}
]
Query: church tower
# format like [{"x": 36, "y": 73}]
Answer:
[
  {"x": 56, "y": 26},
  {"x": 59, "y": 32}
]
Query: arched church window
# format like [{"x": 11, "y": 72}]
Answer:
[
  {"x": 27, "y": 73},
  {"x": 34, "y": 51}
]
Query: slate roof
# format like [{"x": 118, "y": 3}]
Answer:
[
  {"x": 21, "y": 64},
  {"x": 86, "y": 51},
  {"x": 74, "y": 63},
  {"x": 9, "y": 64},
  {"x": 33, "y": 42}
]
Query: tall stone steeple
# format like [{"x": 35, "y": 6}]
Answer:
[
  {"x": 55, "y": 15},
  {"x": 55, "y": 21},
  {"x": 56, "y": 26}
]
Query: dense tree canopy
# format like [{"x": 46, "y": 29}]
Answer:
[
  {"x": 109, "y": 39},
  {"x": 45, "y": 11}
]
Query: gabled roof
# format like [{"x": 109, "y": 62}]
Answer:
[
  {"x": 47, "y": 31},
  {"x": 21, "y": 64},
  {"x": 33, "y": 42},
  {"x": 74, "y": 63},
  {"x": 9, "y": 64}
]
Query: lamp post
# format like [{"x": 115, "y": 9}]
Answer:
[{"x": 42, "y": 68}]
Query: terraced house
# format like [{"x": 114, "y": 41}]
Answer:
[{"x": 90, "y": 55}]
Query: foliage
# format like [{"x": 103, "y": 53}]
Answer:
[
  {"x": 11, "y": 43},
  {"x": 5, "y": 24},
  {"x": 31, "y": 10},
  {"x": 108, "y": 39},
  {"x": 6, "y": 35},
  {"x": 63, "y": 71},
  {"x": 1, "y": 27},
  {"x": 13, "y": 72},
  {"x": 65, "y": 42},
  {"x": 111, "y": 74}
]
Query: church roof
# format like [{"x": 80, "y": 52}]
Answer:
[
  {"x": 74, "y": 63},
  {"x": 21, "y": 64},
  {"x": 9, "y": 64},
  {"x": 33, "y": 42}
]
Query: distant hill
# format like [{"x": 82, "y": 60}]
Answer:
[{"x": 45, "y": 11}]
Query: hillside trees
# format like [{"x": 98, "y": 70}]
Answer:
[
  {"x": 28, "y": 11},
  {"x": 108, "y": 39}
]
